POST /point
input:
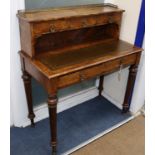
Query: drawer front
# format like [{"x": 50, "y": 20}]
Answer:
[
  {"x": 108, "y": 67},
  {"x": 68, "y": 79},
  {"x": 103, "y": 68},
  {"x": 74, "y": 23}
]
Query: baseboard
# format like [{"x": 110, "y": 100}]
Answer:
[
  {"x": 118, "y": 105},
  {"x": 109, "y": 98},
  {"x": 72, "y": 100},
  {"x": 64, "y": 103}
]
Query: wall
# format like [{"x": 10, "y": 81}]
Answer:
[
  {"x": 138, "y": 99},
  {"x": 114, "y": 89},
  {"x": 30, "y": 4},
  {"x": 18, "y": 101}
]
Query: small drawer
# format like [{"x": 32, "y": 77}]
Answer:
[
  {"x": 108, "y": 67},
  {"x": 100, "y": 69},
  {"x": 68, "y": 79},
  {"x": 109, "y": 19},
  {"x": 128, "y": 60},
  {"x": 49, "y": 27}
]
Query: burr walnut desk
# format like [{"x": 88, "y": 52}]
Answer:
[{"x": 64, "y": 46}]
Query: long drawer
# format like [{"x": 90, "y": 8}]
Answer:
[{"x": 97, "y": 70}]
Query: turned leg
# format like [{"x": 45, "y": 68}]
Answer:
[
  {"x": 28, "y": 90},
  {"x": 100, "y": 88},
  {"x": 52, "y": 105},
  {"x": 130, "y": 85}
]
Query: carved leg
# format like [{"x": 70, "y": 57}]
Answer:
[
  {"x": 28, "y": 90},
  {"x": 100, "y": 88},
  {"x": 128, "y": 95},
  {"x": 52, "y": 104}
]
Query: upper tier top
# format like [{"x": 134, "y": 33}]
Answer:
[{"x": 66, "y": 12}]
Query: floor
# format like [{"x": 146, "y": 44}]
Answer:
[
  {"x": 75, "y": 126},
  {"x": 126, "y": 140}
]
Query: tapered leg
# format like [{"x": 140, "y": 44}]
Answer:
[
  {"x": 130, "y": 85},
  {"x": 100, "y": 88},
  {"x": 52, "y": 105},
  {"x": 28, "y": 90}
]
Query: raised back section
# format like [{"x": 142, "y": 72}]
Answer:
[
  {"x": 84, "y": 37},
  {"x": 61, "y": 28}
]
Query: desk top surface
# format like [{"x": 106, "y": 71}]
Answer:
[
  {"x": 59, "y": 63},
  {"x": 66, "y": 12}
]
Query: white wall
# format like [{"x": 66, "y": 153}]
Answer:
[
  {"x": 138, "y": 99},
  {"x": 113, "y": 88},
  {"x": 31, "y": 4},
  {"x": 109, "y": 1},
  {"x": 18, "y": 101},
  {"x": 130, "y": 18}
]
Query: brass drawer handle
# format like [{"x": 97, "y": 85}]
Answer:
[
  {"x": 52, "y": 28},
  {"x": 110, "y": 21},
  {"x": 84, "y": 23}
]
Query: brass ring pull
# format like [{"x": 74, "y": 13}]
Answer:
[
  {"x": 84, "y": 23},
  {"x": 111, "y": 20},
  {"x": 121, "y": 61},
  {"x": 52, "y": 28}
]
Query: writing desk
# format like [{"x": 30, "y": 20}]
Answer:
[{"x": 64, "y": 46}]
